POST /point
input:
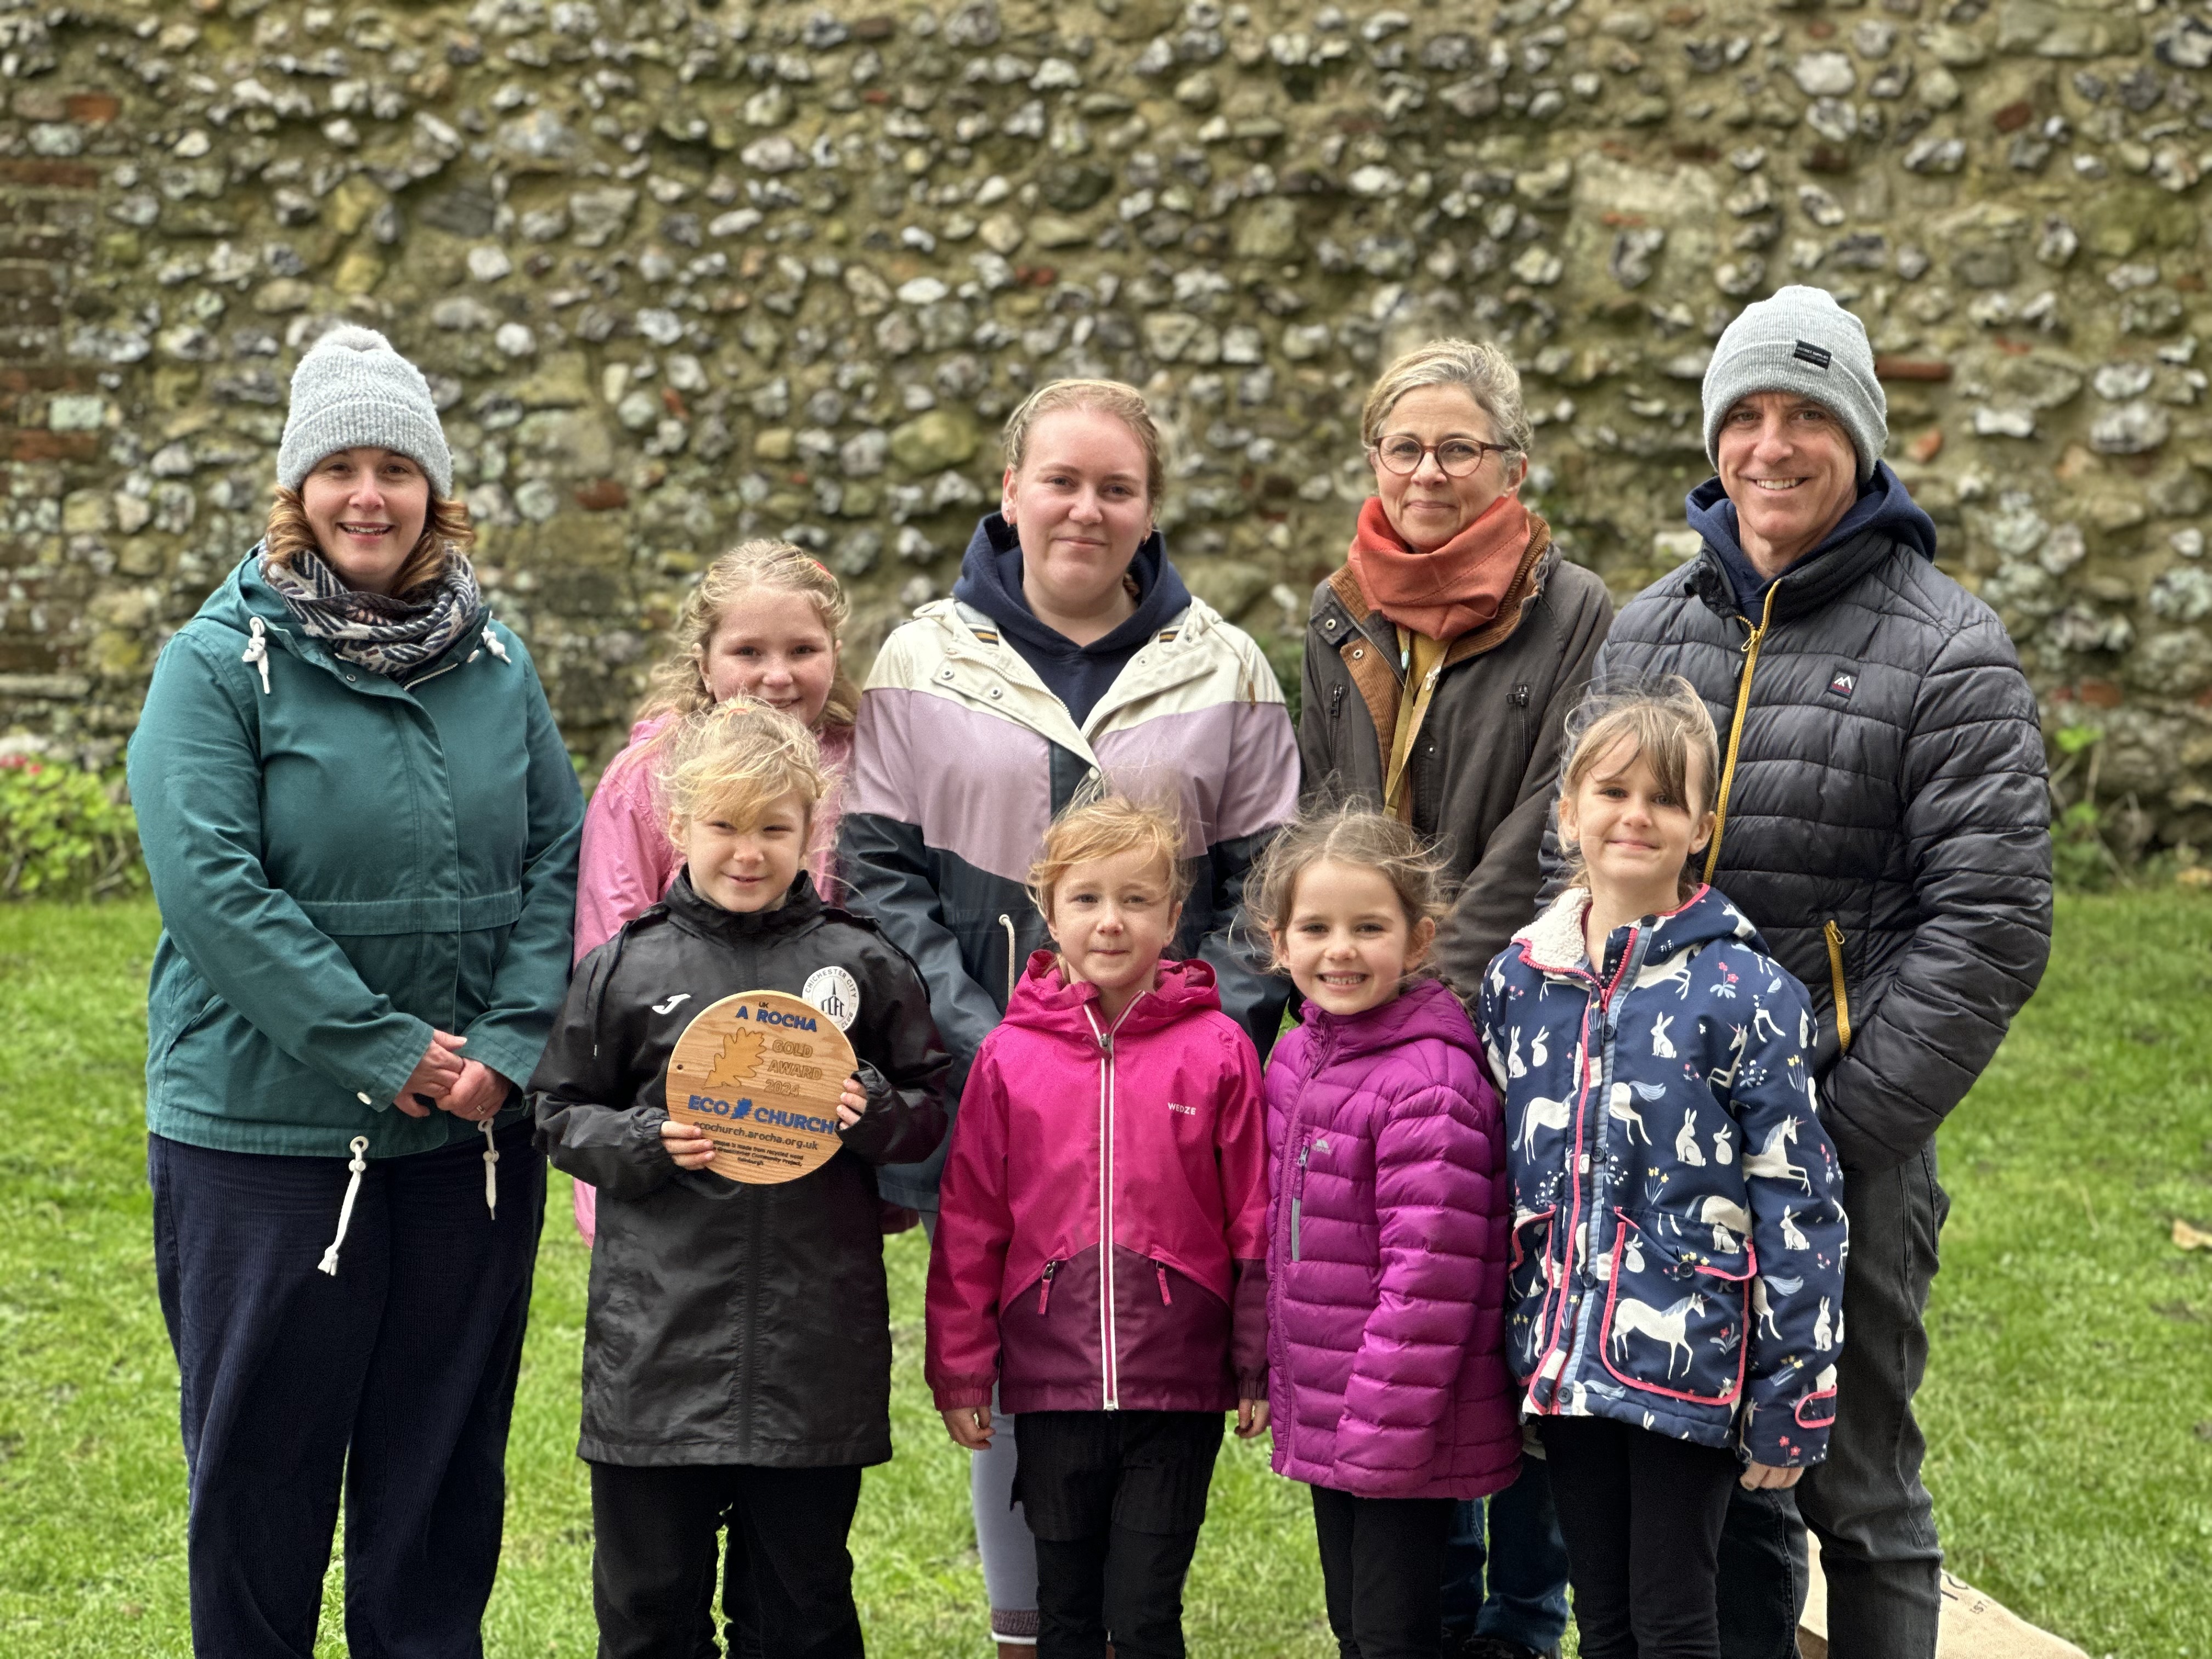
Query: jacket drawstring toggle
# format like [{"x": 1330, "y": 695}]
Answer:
[
  {"x": 257, "y": 650},
  {"x": 492, "y": 645},
  {"x": 329, "y": 1264},
  {"x": 491, "y": 1169}
]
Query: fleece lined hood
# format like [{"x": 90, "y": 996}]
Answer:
[{"x": 1553, "y": 942}]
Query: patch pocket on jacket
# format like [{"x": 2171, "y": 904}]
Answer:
[
  {"x": 1527, "y": 1281},
  {"x": 1526, "y": 1275},
  {"x": 1675, "y": 1313}
]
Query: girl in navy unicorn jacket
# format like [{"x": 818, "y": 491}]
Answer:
[{"x": 1674, "y": 1311}]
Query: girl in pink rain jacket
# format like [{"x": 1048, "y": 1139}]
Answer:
[{"x": 1116, "y": 1260}]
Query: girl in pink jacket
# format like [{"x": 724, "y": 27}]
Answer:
[
  {"x": 1099, "y": 1240},
  {"x": 764, "y": 620},
  {"x": 1388, "y": 1229}
]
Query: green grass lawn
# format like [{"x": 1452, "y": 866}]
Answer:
[{"x": 2069, "y": 1406}]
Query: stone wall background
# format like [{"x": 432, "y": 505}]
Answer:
[{"x": 683, "y": 271}]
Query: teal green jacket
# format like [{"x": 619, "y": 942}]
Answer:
[{"x": 343, "y": 863}]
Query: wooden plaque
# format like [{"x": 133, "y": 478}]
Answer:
[{"x": 761, "y": 1073}]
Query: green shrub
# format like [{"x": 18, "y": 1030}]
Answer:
[
  {"x": 65, "y": 832},
  {"x": 2080, "y": 855}
]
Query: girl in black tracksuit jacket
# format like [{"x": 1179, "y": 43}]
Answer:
[{"x": 737, "y": 1344}]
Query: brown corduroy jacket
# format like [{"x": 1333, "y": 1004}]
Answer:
[{"x": 1485, "y": 763}]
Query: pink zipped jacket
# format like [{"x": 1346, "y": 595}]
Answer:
[{"x": 1101, "y": 1228}]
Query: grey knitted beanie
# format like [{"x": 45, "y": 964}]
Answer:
[
  {"x": 1801, "y": 341},
  {"x": 353, "y": 390}
]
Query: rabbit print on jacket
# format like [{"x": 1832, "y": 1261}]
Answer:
[{"x": 1679, "y": 1232}]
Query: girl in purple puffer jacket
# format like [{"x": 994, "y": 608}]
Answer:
[{"x": 1388, "y": 1227}]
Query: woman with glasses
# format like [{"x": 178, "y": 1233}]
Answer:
[{"x": 1440, "y": 663}]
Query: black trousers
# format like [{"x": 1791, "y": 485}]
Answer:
[
  {"x": 1876, "y": 1521},
  {"x": 393, "y": 1378},
  {"x": 787, "y": 1576},
  {"x": 1382, "y": 1570},
  {"x": 1642, "y": 1516},
  {"x": 1116, "y": 1500}
]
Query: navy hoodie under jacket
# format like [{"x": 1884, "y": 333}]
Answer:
[
  {"x": 1882, "y": 505},
  {"x": 1079, "y": 674}
]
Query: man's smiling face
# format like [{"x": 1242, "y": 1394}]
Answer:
[{"x": 1788, "y": 465}]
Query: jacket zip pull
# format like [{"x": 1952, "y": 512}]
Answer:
[
  {"x": 257, "y": 649},
  {"x": 358, "y": 1146},
  {"x": 1007, "y": 922},
  {"x": 1044, "y": 1300},
  {"x": 1335, "y": 701},
  {"x": 1298, "y": 1197},
  {"x": 1160, "y": 1269},
  {"x": 491, "y": 1169},
  {"x": 1750, "y": 644},
  {"x": 1834, "y": 936}
]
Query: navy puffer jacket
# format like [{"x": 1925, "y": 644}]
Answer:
[{"x": 1886, "y": 819}]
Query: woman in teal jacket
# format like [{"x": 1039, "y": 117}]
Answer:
[{"x": 362, "y": 827}]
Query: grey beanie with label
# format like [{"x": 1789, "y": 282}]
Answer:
[
  {"x": 1800, "y": 341},
  {"x": 352, "y": 391}
]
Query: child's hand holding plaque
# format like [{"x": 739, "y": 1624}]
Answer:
[{"x": 766, "y": 1080}]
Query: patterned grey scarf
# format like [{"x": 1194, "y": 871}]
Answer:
[{"x": 384, "y": 634}]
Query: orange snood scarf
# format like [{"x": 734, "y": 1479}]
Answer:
[{"x": 1450, "y": 591}]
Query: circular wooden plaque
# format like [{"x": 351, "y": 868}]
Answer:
[{"x": 761, "y": 1073}]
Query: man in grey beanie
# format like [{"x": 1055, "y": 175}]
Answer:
[{"x": 1882, "y": 818}]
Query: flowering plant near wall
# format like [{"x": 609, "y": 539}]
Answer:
[{"x": 65, "y": 832}]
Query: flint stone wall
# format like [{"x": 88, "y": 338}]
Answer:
[{"x": 681, "y": 272}]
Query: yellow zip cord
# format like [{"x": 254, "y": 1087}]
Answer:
[
  {"x": 1735, "y": 730},
  {"x": 1834, "y": 935}
]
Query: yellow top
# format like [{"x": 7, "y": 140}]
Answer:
[{"x": 1421, "y": 659}]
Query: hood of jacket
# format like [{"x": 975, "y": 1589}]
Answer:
[
  {"x": 1044, "y": 1001},
  {"x": 245, "y": 598},
  {"x": 1553, "y": 943},
  {"x": 991, "y": 580},
  {"x": 1884, "y": 514}
]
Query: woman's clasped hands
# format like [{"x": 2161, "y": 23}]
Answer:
[{"x": 466, "y": 1087}]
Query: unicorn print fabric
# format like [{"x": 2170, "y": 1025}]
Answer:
[{"x": 1678, "y": 1232}]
